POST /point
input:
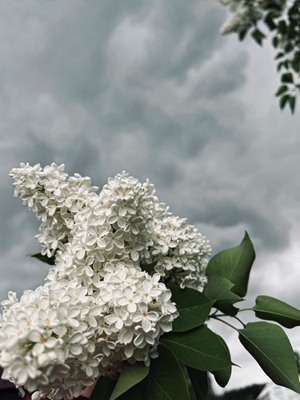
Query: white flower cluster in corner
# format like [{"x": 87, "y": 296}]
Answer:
[
  {"x": 58, "y": 339},
  {"x": 247, "y": 12},
  {"x": 98, "y": 307}
]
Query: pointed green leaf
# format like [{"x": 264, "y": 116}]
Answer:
[
  {"x": 222, "y": 376},
  {"x": 148, "y": 267},
  {"x": 234, "y": 264},
  {"x": 258, "y": 36},
  {"x": 273, "y": 309},
  {"x": 39, "y": 256},
  {"x": 280, "y": 65},
  {"x": 193, "y": 308},
  {"x": 270, "y": 22},
  {"x": 279, "y": 55},
  {"x": 271, "y": 348},
  {"x": 275, "y": 14},
  {"x": 283, "y": 100},
  {"x": 282, "y": 26},
  {"x": 135, "y": 392},
  {"x": 226, "y": 307},
  {"x": 166, "y": 380},
  {"x": 199, "y": 382},
  {"x": 282, "y": 89},
  {"x": 103, "y": 389},
  {"x": 287, "y": 78},
  {"x": 292, "y": 103},
  {"x": 296, "y": 65},
  {"x": 242, "y": 33},
  {"x": 275, "y": 41},
  {"x": 288, "y": 47},
  {"x": 130, "y": 376},
  {"x": 199, "y": 348},
  {"x": 297, "y": 56},
  {"x": 219, "y": 288}
]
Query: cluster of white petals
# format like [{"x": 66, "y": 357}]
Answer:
[
  {"x": 125, "y": 224},
  {"x": 58, "y": 339},
  {"x": 239, "y": 20},
  {"x": 98, "y": 306},
  {"x": 246, "y": 13}
]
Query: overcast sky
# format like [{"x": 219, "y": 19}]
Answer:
[{"x": 151, "y": 87}]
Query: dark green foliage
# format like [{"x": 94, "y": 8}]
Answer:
[
  {"x": 285, "y": 27},
  {"x": 199, "y": 348},
  {"x": 269, "y": 308},
  {"x": 45, "y": 259},
  {"x": 258, "y": 36},
  {"x": 148, "y": 267},
  {"x": 193, "y": 306},
  {"x": 271, "y": 348},
  {"x": 287, "y": 39},
  {"x": 130, "y": 376},
  {"x": 234, "y": 264}
]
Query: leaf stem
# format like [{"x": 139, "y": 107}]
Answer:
[
  {"x": 227, "y": 323},
  {"x": 214, "y": 314},
  {"x": 240, "y": 321}
]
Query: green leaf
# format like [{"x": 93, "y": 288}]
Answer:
[
  {"x": 219, "y": 288},
  {"x": 282, "y": 26},
  {"x": 283, "y": 100},
  {"x": 275, "y": 41},
  {"x": 130, "y": 376},
  {"x": 258, "y": 36},
  {"x": 193, "y": 308},
  {"x": 279, "y": 55},
  {"x": 275, "y": 14},
  {"x": 271, "y": 348},
  {"x": 166, "y": 380},
  {"x": 288, "y": 47},
  {"x": 200, "y": 348},
  {"x": 281, "y": 89},
  {"x": 292, "y": 103},
  {"x": 284, "y": 63},
  {"x": 39, "y": 256},
  {"x": 103, "y": 389},
  {"x": 296, "y": 65},
  {"x": 294, "y": 10},
  {"x": 242, "y": 33},
  {"x": 270, "y": 22},
  {"x": 269, "y": 5},
  {"x": 297, "y": 56},
  {"x": 222, "y": 376},
  {"x": 148, "y": 267},
  {"x": 234, "y": 264},
  {"x": 287, "y": 78},
  {"x": 273, "y": 309},
  {"x": 199, "y": 382},
  {"x": 135, "y": 392}
]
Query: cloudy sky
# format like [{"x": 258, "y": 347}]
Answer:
[{"x": 151, "y": 87}]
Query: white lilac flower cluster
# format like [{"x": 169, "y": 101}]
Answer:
[
  {"x": 247, "y": 13},
  {"x": 98, "y": 307},
  {"x": 58, "y": 339},
  {"x": 125, "y": 223}
]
